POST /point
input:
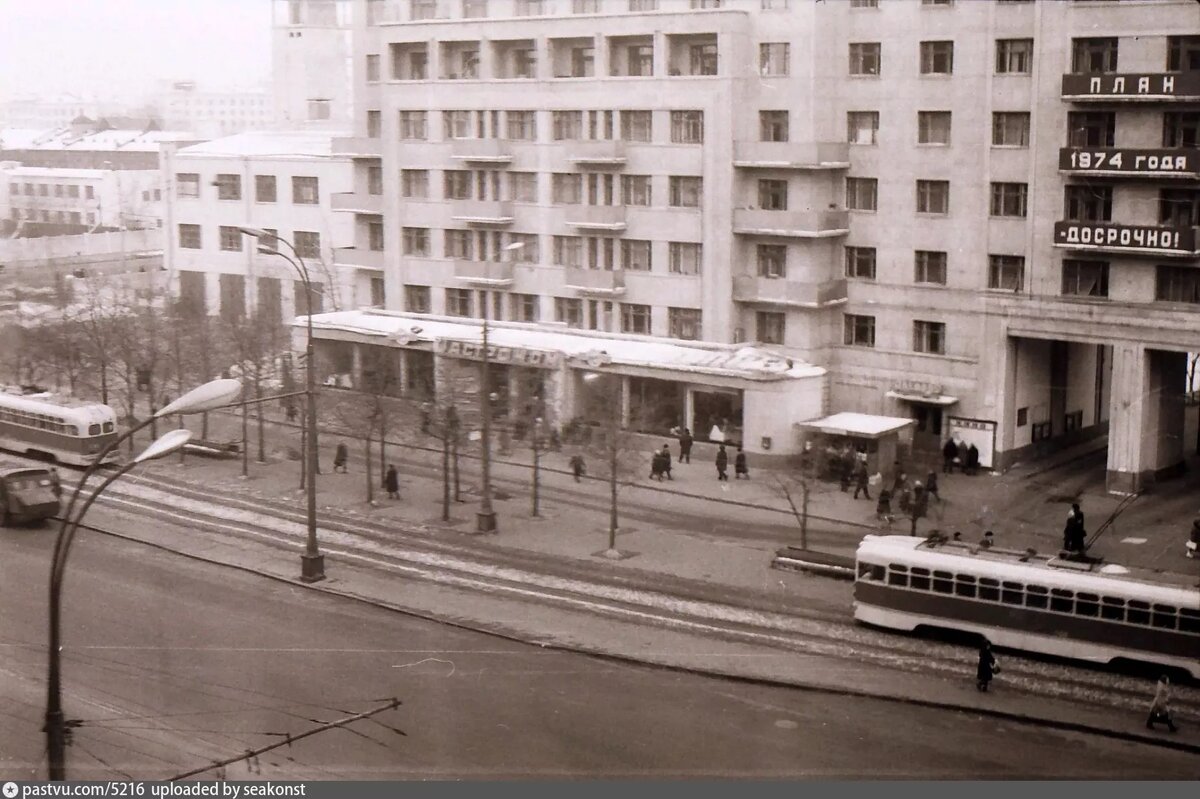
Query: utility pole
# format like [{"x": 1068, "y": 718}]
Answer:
[{"x": 485, "y": 518}]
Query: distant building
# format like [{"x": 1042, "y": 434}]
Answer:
[
  {"x": 312, "y": 74},
  {"x": 211, "y": 113}
]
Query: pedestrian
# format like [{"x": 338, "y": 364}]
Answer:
[
  {"x": 740, "y": 469},
  {"x": 1074, "y": 533},
  {"x": 426, "y": 417},
  {"x": 931, "y": 485},
  {"x": 55, "y": 483},
  {"x": 861, "y": 481},
  {"x": 666, "y": 461},
  {"x": 340, "y": 456},
  {"x": 391, "y": 482},
  {"x": 685, "y": 446},
  {"x": 577, "y": 466},
  {"x": 949, "y": 453},
  {"x": 290, "y": 410},
  {"x": 972, "y": 464},
  {"x": 1193, "y": 544},
  {"x": 1160, "y": 707},
  {"x": 722, "y": 463},
  {"x": 987, "y": 668},
  {"x": 988, "y": 540},
  {"x": 883, "y": 508}
]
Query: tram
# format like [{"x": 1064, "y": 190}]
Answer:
[
  {"x": 27, "y": 494},
  {"x": 43, "y": 425},
  {"x": 1083, "y": 610}
]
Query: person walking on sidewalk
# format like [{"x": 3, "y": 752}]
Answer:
[
  {"x": 666, "y": 461},
  {"x": 340, "y": 457},
  {"x": 685, "y": 446},
  {"x": 861, "y": 481},
  {"x": 1160, "y": 707},
  {"x": 931, "y": 485},
  {"x": 949, "y": 453},
  {"x": 722, "y": 464},
  {"x": 740, "y": 469},
  {"x": 987, "y": 668},
  {"x": 391, "y": 482},
  {"x": 577, "y": 466},
  {"x": 656, "y": 465},
  {"x": 1074, "y": 533},
  {"x": 971, "y": 462}
]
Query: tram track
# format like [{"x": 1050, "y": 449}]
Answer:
[{"x": 416, "y": 552}]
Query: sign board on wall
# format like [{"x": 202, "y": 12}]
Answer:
[
  {"x": 513, "y": 355},
  {"x": 979, "y": 432}
]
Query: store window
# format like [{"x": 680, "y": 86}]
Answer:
[
  {"x": 655, "y": 406},
  {"x": 717, "y": 416}
]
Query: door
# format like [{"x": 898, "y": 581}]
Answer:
[{"x": 927, "y": 435}]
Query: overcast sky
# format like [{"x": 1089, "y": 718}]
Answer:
[{"x": 120, "y": 48}]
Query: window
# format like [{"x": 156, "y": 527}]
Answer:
[
  {"x": 1088, "y": 203},
  {"x": 458, "y": 302},
  {"x": 304, "y": 191},
  {"x": 933, "y": 196},
  {"x": 635, "y": 318},
  {"x": 568, "y": 125},
  {"x": 687, "y": 127},
  {"x": 373, "y": 68},
  {"x": 233, "y": 296},
  {"x": 459, "y": 244},
  {"x": 635, "y": 190},
  {"x": 1179, "y": 207},
  {"x": 1181, "y": 129},
  {"x": 1091, "y": 128},
  {"x": 929, "y": 337},
  {"x": 706, "y": 4},
  {"x": 772, "y": 260},
  {"x": 635, "y": 255},
  {"x": 685, "y": 258},
  {"x": 1094, "y": 55},
  {"x": 569, "y": 311},
  {"x": 773, "y": 125},
  {"x": 600, "y": 125},
  {"x": 375, "y": 236},
  {"x": 1177, "y": 284},
  {"x": 1010, "y": 129},
  {"x": 417, "y": 299},
  {"x": 319, "y": 109},
  {"x": 231, "y": 239},
  {"x": 864, "y": 58},
  {"x": 456, "y": 124},
  {"x": 937, "y": 2},
  {"x": 683, "y": 323},
  {"x": 601, "y": 253},
  {"x": 187, "y": 184},
  {"x": 378, "y": 293},
  {"x": 375, "y": 180},
  {"x": 1084, "y": 278},
  {"x": 1009, "y": 199},
  {"x": 1183, "y": 53},
  {"x": 860, "y": 332},
  {"x": 414, "y": 183},
  {"x": 1014, "y": 56},
  {"x": 862, "y": 194},
  {"x": 937, "y": 58},
  {"x": 640, "y": 58},
  {"x": 524, "y": 307},
  {"x": 73, "y": 191},
  {"x": 862, "y": 127},
  {"x": 308, "y": 244},
  {"x": 229, "y": 187},
  {"x": 89, "y": 192},
  {"x": 568, "y": 251},
  {"x": 773, "y": 58},
  {"x": 864, "y": 3},
  {"x": 189, "y": 237},
  {"x": 637, "y": 126},
  {"x": 1006, "y": 272},
  {"x": 685, "y": 191},
  {"x": 521, "y": 125},
  {"x": 414, "y": 125},
  {"x": 929, "y": 267},
  {"x": 860, "y": 262},
  {"x": 269, "y": 241},
  {"x": 456, "y": 184},
  {"x": 772, "y": 195},
  {"x": 522, "y": 187},
  {"x": 702, "y": 59},
  {"x": 933, "y": 127},
  {"x": 374, "y": 124},
  {"x": 529, "y": 252},
  {"x": 769, "y": 327},
  {"x": 472, "y": 9},
  {"x": 566, "y": 188},
  {"x": 583, "y": 62},
  {"x": 264, "y": 188}
]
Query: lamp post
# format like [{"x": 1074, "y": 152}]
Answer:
[
  {"x": 206, "y": 397},
  {"x": 312, "y": 562}
]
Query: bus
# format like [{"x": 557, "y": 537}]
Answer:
[
  {"x": 42, "y": 425},
  {"x": 1079, "y": 609},
  {"x": 28, "y": 494}
]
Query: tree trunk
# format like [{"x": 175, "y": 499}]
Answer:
[
  {"x": 535, "y": 476},
  {"x": 804, "y": 515},
  {"x": 245, "y": 439},
  {"x": 303, "y": 455},
  {"x": 382, "y": 444},
  {"x": 367, "y": 464},
  {"x": 258, "y": 414},
  {"x": 457, "y": 483},
  {"x": 152, "y": 403},
  {"x": 103, "y": 381},
  {"x": 445, "y": 477}
]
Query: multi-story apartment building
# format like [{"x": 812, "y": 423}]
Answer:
[
  {"x": 311, "y": 70},
  {"x": 980, "y": 216},
  {"x": 213, "y": 113},
  {"x": 282, "y": 182}
]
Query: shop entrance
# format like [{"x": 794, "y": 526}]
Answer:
[{"x": 927, "y": 432}]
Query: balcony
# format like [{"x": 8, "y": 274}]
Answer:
[
  {"x": 789, "y": 155},
  {"x": 497, "y": 274},
  {"x": 595, "y": 282},
  {"x": 596, "y": 217},
  {"x": 1151, "y": 240},
  {"x": 357, "y": 258},
  {"x": 792, "y": 293},
  {"x": 358, "y": 147},
  {"x": 481, "y": 151},
  {"x": 355, "y": 202},
  {"x": 599, "y": 153},
  {"x": 482, "y": 212},
  {"x": 795, "y": 224},
  {"x": 1128, "y": 163},
  {"x": 1145, "y": 87}
]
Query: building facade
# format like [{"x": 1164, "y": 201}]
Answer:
[
  {"x": 918, "y": 196},
  {"x": 212, "y": 113},
  {"x": 311, "y": 74}
]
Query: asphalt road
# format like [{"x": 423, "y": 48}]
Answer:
[{"x": 171, "y": 664}]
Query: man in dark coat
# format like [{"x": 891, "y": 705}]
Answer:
[
  {"x": 740, "y": 469},
  {"x": 987, "y": 667},
  {"x": 972, "y": 460},
  {"x": 391, "y": 482},
  {"x": 340, "y": 456},
  {"x": 722, "y": 464},
  {"x": 656, "y": 465},
  {"x": 949, "y": 453},
  {"x": 685, "y": 446},
  {"x": 931, "y": 485},
  {"x": 577, "y": 466},
  {"x": 1074, "y": 534},
  {"x": 862, "y": 481},
  {"x": 666, "y": 461}
]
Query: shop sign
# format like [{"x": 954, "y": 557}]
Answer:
[
  {"x": 1131, "y": 162},
  {"x": 518, "y": 356},
  {"x": 1133, "y": 86},
  {"x": 1181, "y": 240},
  {"x": 922, "y": 387}
]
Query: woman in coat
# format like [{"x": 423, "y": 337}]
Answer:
[
  {"x": 987, "y": 667},
  {"x": 391, "y": 482}
]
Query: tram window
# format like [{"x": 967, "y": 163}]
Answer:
[
  {"x": 964, "y": 585},
  {"x": 1164, "y": 617},
  {"x": 1138, "y": 613},
  {"x": 897, "y": 575},
  {"x": 93, "y": 430},
  {"x": 989, "y": 589},
  {"x": 108, "y": 427},
  {"x": 943, "y": 582},
  {"x": 1112, "y": 608},
  {"x": 870, "y": 571},
  {"x": 920, "y": 579},
  {"x": 1062, "y": 600},
  {"x": 1012, "y": 593},
  {"x": 1087, "y": 604},
  {"x": 1189, "y": 620}
]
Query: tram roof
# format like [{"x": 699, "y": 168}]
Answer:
[{"x": 46, "y": 403}]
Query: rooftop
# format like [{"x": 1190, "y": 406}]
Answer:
[
  {"x": 268, "y": 143},
  {"x": 117, "y": 140}
]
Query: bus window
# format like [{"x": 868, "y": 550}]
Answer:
[
  {"x": 1138, "y": 613},
  {"x": 1189, "y": 620},
  {"x": 1164, "y": 617},
  {"x": 989, "y": 589},
  {"x": 919, "y": 578},
  {"x": 898, "y": 575},
  {"x": 943, "y": 582},
  {"x": 964, "y": 585},
  {"x": 93, "y": 430},
  {"x": 1112, "y": 608},
  {"x": 1087, "y": 604},
  {"x": 870, "y": 571},
  {"x": 1012, "y": 593},
  {"x": 1062, "y": 600}
]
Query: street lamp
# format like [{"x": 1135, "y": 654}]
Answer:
[
  {"x": 312, "y": 562},
  {"x": 203, "y": 398}
]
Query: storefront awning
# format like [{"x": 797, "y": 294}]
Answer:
[
  {"x": 926, "y": 399},
  {"x": 859, "y": 425}
]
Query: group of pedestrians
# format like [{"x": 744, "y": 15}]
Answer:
[
  {"x": 956, "y": 454},
  {"x": 660, "y": 460},
  {"x": 391, "y": 478}
]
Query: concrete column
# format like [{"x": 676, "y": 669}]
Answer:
[
  {"x": 487, "y": 66},
  {"x": 660, "y": 54},
  {"x": 1145, "y": 435},
  {"x": 402, "y": 371},
  {"x": 600, "y": 55},
  {"x": 356, "y": 366},
  {"x": 623, "y": 381}
]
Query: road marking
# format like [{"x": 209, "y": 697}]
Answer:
[{"x": 1133, "y": 540}]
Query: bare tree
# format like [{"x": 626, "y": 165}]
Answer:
[
  {"x": 605, "y": 437},
  {"x": 253, "y": 339},
  {"x": 795, "y": 485}
]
